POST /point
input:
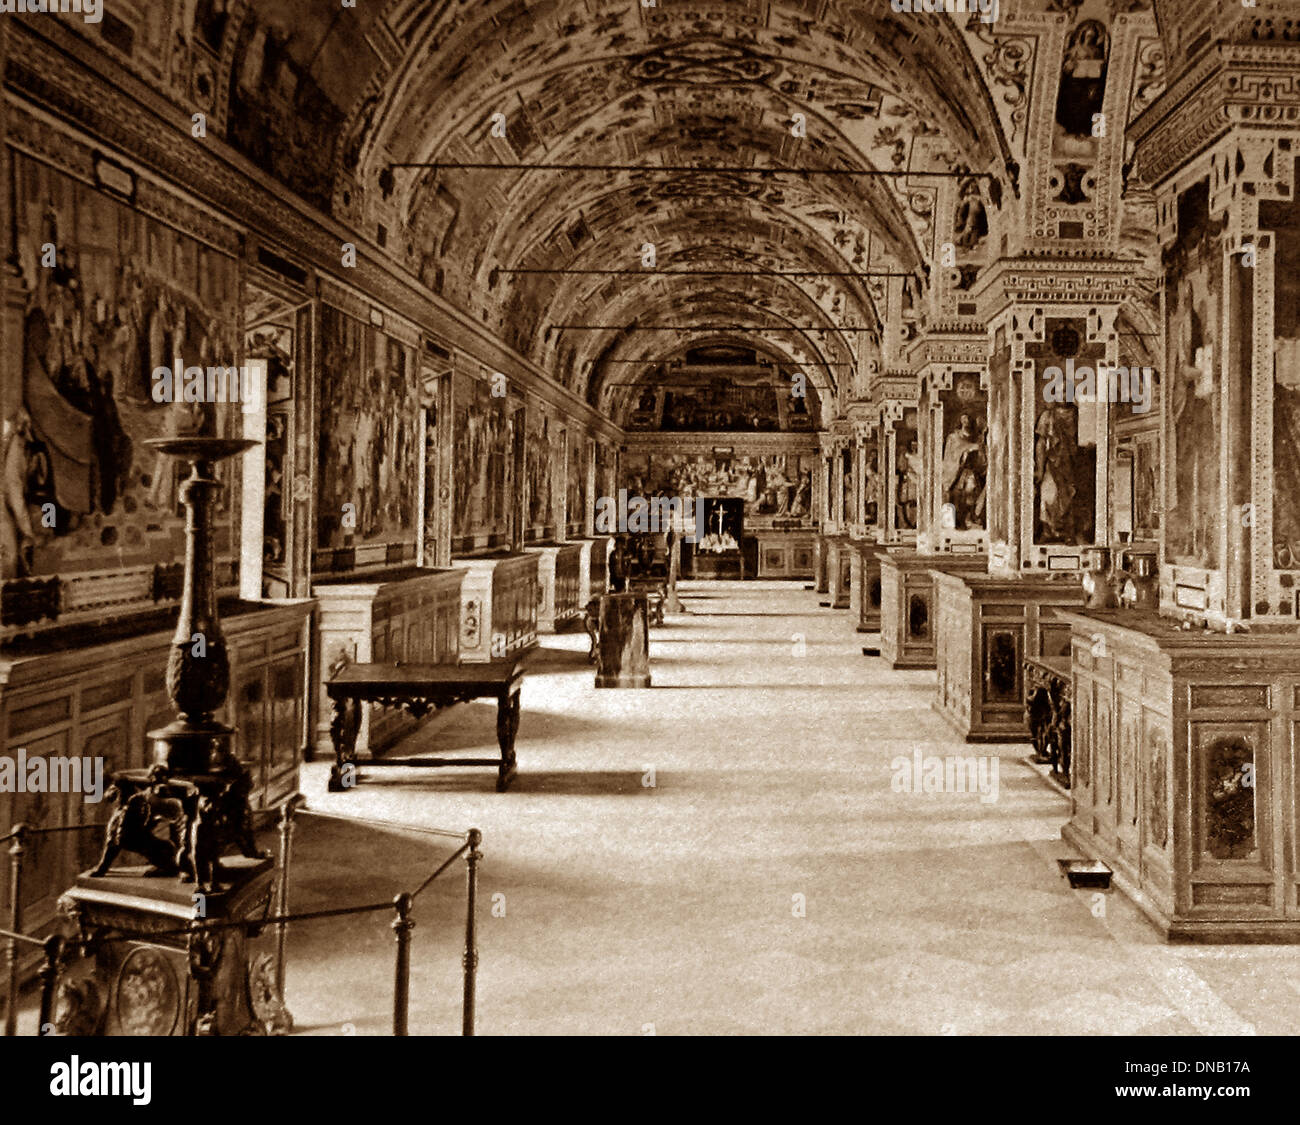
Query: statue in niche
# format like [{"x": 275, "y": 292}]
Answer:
[
  {"x": 909, "y": 485},
  {"x": 970, "y": 224},
  {"x": 1083, "y": 88},
  {"x": 965, "y": 470}
]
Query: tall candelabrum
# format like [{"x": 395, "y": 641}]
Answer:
[
  {"x": 196, "y": 786},
  {"x": 198, "y": 666}
]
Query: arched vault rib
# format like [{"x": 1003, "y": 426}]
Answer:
[{"x": 701, "y": 313}]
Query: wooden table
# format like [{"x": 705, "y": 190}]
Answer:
[{"x": 421, "y": 688}]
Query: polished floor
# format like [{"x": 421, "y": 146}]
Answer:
[{"x": 733, "y": 851}]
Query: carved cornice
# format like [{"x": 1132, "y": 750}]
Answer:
[
  {"x": 57, "y": 73},
  {"x": 1231, "y": 84},
  {"x": 747, "y": 443},
  {"x": 1054, "y": 281},
  {"x": 967, "y": 347}
]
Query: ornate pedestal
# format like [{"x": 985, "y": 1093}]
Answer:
[
  {"x": 907, "y": 602},
  {"x": 408, "y": 613},
  {"x": 986, "y": 628},
  {"x": 498, "y": 606},
  {"x": 1185, "y": 777},
  {"x": 623, "y": 650},
  {"x": 865, "y": 590},
  {"x": 174, "y": 983}
]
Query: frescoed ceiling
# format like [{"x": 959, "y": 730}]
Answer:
[{"x": 729, "y": 114}]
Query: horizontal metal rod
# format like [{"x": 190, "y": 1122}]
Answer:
[
  {"x": 712, "y": 273},
  {"x": 683, "y": 169},
  {"x": 712, "y": 368},
  {"x": 699, "y": 328}
]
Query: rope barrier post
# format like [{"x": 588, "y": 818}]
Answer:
[
  {"x": 470, "y": 962},
  {"x": 17, "y": 848},
  {"x": 287, "y": 811},
  {"x": 402, "y": 927},
  {"x": 49, "y": 974}
]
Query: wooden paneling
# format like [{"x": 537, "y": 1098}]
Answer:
[
  {"x": 101, "y": 700},
  {"x": 908, "y": 608},
  {"x": 986, "y": 627},
  {"x": 1186, "y": 772}
]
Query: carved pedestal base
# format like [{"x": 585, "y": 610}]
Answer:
[{"x": 158, "y": 979}]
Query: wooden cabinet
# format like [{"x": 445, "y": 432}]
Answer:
[
  {"x": 1184, "y": 772},
  {"x": 70, "y": 697},
  {"x": 559, "y": 584},
  {"x": 409, "y": 613},
  {"x": 907, "y": 602},
  {"x": 498, "y": 606},
  {"x": 593, "y": 577},
  {"x": 865, "y": 591},
  {"x": 986, "y": 627},
  {"x": 785, "y": 556}
]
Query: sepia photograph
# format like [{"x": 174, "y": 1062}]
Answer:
[{"x": 662, "y": 518}]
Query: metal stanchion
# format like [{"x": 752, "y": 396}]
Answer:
[
  {"x": 49, "y": 974},
  {"x": 287, "y": 811},
  {"x": 17, "y": 848},
  {"x": 402, "y": 927},
  {"x": 474, "y": 837}
]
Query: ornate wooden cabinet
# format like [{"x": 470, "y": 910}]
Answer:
[
  {"x": 865, "y": 590},
  {"x": 1185, "y": 774},
  {"x": 781, "y": 555},
  {"x": 986, "y": 627},
  {"x": 559, "y": 584},
  {"x": 65, "y": 696},
  {"x": 907, "y": 602},
  {"x": 409, "y": 613},
  {"x": 498, "y": 606}
]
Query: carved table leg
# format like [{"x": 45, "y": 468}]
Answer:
[
  {"x": 343, "y": 732},
  {"x": 507, "y": 728}
]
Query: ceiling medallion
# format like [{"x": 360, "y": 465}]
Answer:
[{"x": 703, "y": 63}]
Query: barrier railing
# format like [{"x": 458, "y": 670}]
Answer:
[{"x": 54, "y": 947}]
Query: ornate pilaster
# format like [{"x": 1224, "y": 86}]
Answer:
[{"x": 1220, "y": 148}]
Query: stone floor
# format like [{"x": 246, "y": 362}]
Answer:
[{"x": 729, "y": 852}]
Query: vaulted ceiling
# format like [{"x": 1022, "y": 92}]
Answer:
[{"x": 350, "y": 106}]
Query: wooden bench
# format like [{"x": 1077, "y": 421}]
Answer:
[{"x": 421, "y": 688}]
